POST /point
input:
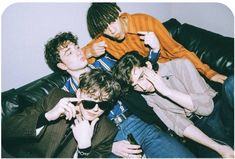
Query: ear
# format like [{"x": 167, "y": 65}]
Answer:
[
  {"x": 149, "y": 65},
  {"x": 62, "y": 66}
]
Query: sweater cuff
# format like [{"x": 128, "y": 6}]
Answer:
[{"x": 210, "y": 73}]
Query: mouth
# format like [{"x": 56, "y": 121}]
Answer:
[{"x": 91, "y": 114}]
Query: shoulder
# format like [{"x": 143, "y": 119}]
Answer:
[
  {"x": 55, "y": 95},
  {"x": 57, "y": 92},
  {"x": 142, "y": 16}
]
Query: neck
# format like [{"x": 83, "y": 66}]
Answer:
[{"x": 76, "y": 74}]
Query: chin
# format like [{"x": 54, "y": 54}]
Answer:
[{"x": 90, "y": 117}]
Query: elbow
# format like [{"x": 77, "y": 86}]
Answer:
[{"x": 206, "y": 109}]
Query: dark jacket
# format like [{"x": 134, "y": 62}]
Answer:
[
  {"x": 19, "y": 133},
  {"x": 137, "y": 105}
]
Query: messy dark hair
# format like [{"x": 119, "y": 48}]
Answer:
[
  {"x": 122, "y": 69},
  {"x": 51, "y": 51},
  {"x": 99, "y": 16},
  {"x": 101, "y": 82}
]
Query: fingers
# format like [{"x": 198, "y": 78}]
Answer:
[
  {"x": 68, "y": 108},
  {"x": 101, "y": 44}
]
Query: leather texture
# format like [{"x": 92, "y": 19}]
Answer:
[{"x": 213, "y": 49}]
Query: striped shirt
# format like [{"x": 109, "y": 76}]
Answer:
[{"x": 170, "y": 49}]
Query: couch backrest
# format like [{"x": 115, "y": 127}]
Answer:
[
  {"x": 15, "y": 100},
  {"x": 211, "y": 48}
]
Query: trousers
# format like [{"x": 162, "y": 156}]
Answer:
[{"x": 153, "y": 141}]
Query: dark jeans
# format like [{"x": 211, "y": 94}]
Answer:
[
  {"x": 153, "y": 141},
  {"x": 215, "y": 128},
  {"x": 228, "y": 91}
]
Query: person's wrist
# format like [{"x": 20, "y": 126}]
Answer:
[
  {"x": 84, "y": 145},
  {"x": 48, "y": 116}
]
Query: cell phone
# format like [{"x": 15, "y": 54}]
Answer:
[{"x": 132, "y": 141}]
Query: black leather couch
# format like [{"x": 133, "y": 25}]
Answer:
[{"x": 213, "y": 49}]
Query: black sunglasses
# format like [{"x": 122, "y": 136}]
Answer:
[{"x": 87, "y": 104}]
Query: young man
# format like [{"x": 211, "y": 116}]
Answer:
[
  {"x": 62, "y": 53},
  {"x": 119, "y": 33},
  {"x": 56, "y": 127},
  {"x": 179, "y": 96}
]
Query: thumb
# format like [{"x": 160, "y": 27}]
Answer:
[{"x": 93, "y": 123}]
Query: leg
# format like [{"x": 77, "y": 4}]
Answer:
[
  {"x": 228, "y": 91},
  {"x": 154, "y": 142}
]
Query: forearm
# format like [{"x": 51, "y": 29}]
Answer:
[
  {"x": 180, "y": 98},
  {"x": 87, "y": 51},
  {"x": 192, "y": 132}
]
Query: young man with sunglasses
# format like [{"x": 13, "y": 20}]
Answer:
[
  {"x": 58, "y": 127},
  {"x": 63, "y": 54}
]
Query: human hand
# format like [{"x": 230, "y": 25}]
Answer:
[
  {"x": 83, "y": 131},
  {"x": 226, "y": 151},
  {"x": 218, "y": 78},
  {"x": 63, "y": 108},
  {"x": 150, "y": 39},
  {"x": 98, "y": 49},
  {"x": 125, "y": 149},
  {"x": 156, "y": 80}
]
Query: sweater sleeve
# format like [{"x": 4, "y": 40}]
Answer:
[{"x": 170, "y": 49}]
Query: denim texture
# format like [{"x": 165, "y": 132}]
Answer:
[{"x": 153, "y": 141}]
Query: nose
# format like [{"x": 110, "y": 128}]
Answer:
[
  {"x": 111, "y": 29},
  {"x": 96, "y": 108}
]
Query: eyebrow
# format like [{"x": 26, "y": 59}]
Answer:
[{"x": 66, "y": 51}]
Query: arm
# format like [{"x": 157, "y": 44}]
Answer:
[
  {"x": 173, "y": 50},
  {"x": 181, "y": 98},
  {"x": 95, "y": 48},
  {"x": 194, "y": 85},
  {"x": 24, "y": 124},
  {"x": 192, "y": 132}
]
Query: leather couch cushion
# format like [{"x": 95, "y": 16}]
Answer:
[
  {"x": 10, "y": 103},
  {"x": 213, "y": 49}
]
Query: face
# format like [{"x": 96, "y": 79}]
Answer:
[
  {"x": 89, "y": 107},
  {"x": 72, "y": 57},
  {"x": 140, "y": 81},
  {"x": 116, "y": 30}
]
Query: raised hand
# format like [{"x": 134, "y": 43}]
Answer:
[
  {"x": 150, "y": 39},
  {"x": 125, "y": 149},
  {"x": 156, "y": 80},
  {"x": 63, "y": 108},
  {"x": 83, "y": 131},
  {"x": 98, "y": 49}
]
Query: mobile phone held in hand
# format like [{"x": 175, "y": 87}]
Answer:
[{"x": 132, "y": 141}]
